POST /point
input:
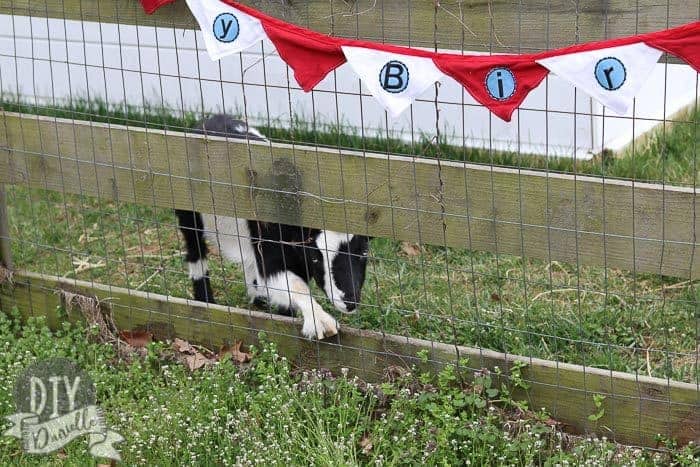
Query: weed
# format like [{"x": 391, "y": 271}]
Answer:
[
  {"x": 600, "y": 410},
  {"x": 268, "y": 413}
]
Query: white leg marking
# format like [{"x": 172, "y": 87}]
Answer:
[
  {"x": 253, "y": 280},
  {"x": 232, "y": 236},
  {"x": 291, "y": 291},
  {"x": 284, "y": 289},
  {"x": 198, "y": 269},
  {"x": 328, "y": 243}
]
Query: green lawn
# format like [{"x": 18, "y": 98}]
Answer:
[
  {"x": 589, "y": 315},
  {"x": 268, "y": 413}
]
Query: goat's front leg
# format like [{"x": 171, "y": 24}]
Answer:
[
  {"x": 192, "y": 227},
  {"x": 286, "y": 289}
]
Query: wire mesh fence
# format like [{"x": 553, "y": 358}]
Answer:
[{"x": 567, "y": 235}]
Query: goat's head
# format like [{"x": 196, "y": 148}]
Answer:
[
  {"x": 342, "y": 276},
  {"x": 229, "y": 127}
]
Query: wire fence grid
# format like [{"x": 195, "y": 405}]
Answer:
[{"x": 568, "y": 284}]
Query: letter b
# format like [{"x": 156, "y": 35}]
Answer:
[{"x": 394, "y": 77}]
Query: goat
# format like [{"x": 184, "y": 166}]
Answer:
[{"x": 278, "y": 260}]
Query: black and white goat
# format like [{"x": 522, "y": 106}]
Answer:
[{"x": 278, "y": 260}]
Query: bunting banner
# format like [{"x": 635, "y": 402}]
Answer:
[
  {"x": 611, "y": 71},
  {"x": 311, "y": 56},
  {"x": 394, "y": 80},
  {"x": 612, "y": 76},
  {"x": 228, "y": 30},
  {"x": 499, "y": 82}
]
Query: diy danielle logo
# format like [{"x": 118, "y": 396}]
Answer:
[{"x": 55, "y": 402}]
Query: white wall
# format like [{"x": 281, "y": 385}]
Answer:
[
  {"x": 55, "y": 60},
  {"x": 670, "y": 89}
]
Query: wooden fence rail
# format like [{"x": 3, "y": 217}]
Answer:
[
  {"x": 580, "y": 220},
  {"x": 637, "y": 408}
]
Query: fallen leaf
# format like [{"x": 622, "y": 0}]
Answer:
[
  {"x": 183, "y": 346},
  {"x": 189, "y": 356},
  {"x": 366, "y": 444},
  {"x": 495, "y": 297},
  {"x": 410, "y": 249},
  {"x": 61, "y": 454},
  {"x": 136, "y": 338},
  {"x": 551, "y": 422},
  {"x": 196, "y": 361},
  {"x": 235, "y": 352},
  {"x": 393, "y": 372}
]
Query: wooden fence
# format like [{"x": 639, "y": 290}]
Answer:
[
  {"x": 555, "y": 217},
  {"x": 577, "y": 219},
  {"x": 637, "y": 408}
]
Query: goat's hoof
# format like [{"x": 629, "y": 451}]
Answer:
[{"x": 320, "y": 328}]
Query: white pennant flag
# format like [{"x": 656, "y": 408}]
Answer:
[
  {"x": 226, "y": 29},
  {"x": 393, "y": 79},
  {"x": 612, "y": 76}
]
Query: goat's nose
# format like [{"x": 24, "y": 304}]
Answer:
[{"x": 350, "y": 306}]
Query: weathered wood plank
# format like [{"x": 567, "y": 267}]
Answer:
[
  {"x": 636, "y": 407},
  {"x": 582, "y": 220},
  {"x": 5, "y": 249},
  {"x": 496, "y": 25}
]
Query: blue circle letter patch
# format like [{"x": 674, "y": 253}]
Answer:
[
  {"x": 610, "y": 73},
  {"x": 500, "y": 83},
  {"x": 394, "y": 77},
  {"x": 226, "y": 27}
]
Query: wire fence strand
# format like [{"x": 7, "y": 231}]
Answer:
[{"x": 568, "y": 235}]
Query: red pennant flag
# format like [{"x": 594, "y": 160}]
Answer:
[
  {"x": 500, "y": 82},
  {"x": 149, "y": 6},
  {"x": 310, "y": 58},
  {"x": 310, "y": 54},
  {"x": 683, "y": 42}
]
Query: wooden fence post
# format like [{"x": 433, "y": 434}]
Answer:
[{"x": 5, "y": 250}]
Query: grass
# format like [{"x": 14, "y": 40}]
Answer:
[
  {"x": 268, "y": 413},
  {"x": 588, "y": 315}
]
